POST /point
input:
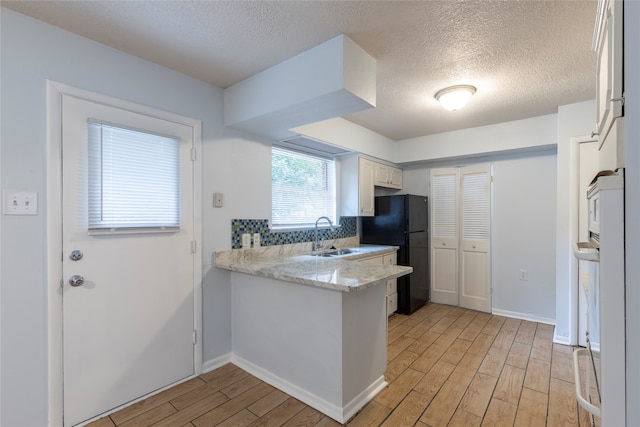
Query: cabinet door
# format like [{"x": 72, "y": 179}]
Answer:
[
  {"x": 392, "y": 284},
  {"x": 396, "y": 178},
  {"x": 365, "y": 187},
  {"x": 609, "y": 82},
  {"x": 382, "y": 175}
]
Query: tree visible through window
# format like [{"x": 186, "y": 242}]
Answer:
[{"x": 303, "y": 188}]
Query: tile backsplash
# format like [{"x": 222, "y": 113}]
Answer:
[{"x": 348, "y": 228}]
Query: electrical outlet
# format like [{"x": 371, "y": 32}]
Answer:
[
  {"x": 524, "y": 275},
  {"x": 217, "y": 200}
]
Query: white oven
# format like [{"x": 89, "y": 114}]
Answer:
[{"x": 603, "y": 359}]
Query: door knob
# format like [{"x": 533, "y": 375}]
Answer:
[{"x": 76, "y": 280}]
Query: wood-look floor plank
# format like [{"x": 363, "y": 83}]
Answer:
[
  {"x": 398, "y": 346},
  {"x": 431, "y": 383},
  {"x": 545, "y": 331},
  {"x": 156, "y": 400},
  {"x": 493, "y": 362},
  {"x": 213, "y": 386},
  {"x": 444, "y": 405},
  {"x": 427, "y": 359},
  {"x": 563, "y": 408},
  {"x": 464, "y": 419},
  {"x": 478, "y": 394},
  {"x": 519, "y": 355},
  {"x": 268, "y": 402},
  {"x": 532, "y": 409},
  {"x": 102, "y": 422},
  {"x": 526, "y": 332},
  {"x": 190, "y": 412},
  {"x": 398, "y": 389},
  {"x": 481, "y": 344},
  {"x": 327, "y": 422},
  {"x": 499, "y": 414},
  {"x": 232, "y": 406},
  {"x": 424, "y": 342},
  {"x": 399, "y": 332},
  {"x": 399, "y": 364},
  {"x": 511, "y": 324},
  {"x": 504, "y": 339},
  {"x": 408, "y": 411},
  {"x": 541, "y": 348},
  {"x": 537, "y": 376},
  {"x": 281, "y": 414},
  {"x": 494, "y": 325},
  {"x": 373, "y": 414},
  {"x": 307, "y": 417},
  {"x": 466, "y": 369},
  {"x": 456, "y": 351},
  {"x": 465, "y": 320},
  {"x": 562, "y": 366},
  {"x": 241, "y": 419},
  {"x": 150, "y": 417},
  {"x": 509, "y": 385}
]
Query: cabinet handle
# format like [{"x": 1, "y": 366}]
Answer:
[{"x": 594, "y": 134}]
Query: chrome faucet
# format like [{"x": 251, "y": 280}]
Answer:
[{"x": 316, "y": 244}]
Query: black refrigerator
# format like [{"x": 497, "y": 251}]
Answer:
[{"x": 403, "y": 221}]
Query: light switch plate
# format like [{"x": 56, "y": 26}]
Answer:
[{"x": 16, "y": 202}]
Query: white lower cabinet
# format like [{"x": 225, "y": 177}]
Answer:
[{"x": 392, "y": 284}]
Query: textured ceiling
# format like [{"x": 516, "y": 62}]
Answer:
[{"x": 525, "y": 57}]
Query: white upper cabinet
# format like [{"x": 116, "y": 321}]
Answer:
[
  {"x": 388, "y": 176},
  {"x": 608, "y": 44},
  {"x": 359, "y": 176},
  {"x": 356, "y": 183}
]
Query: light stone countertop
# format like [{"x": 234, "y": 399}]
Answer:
[{"x": 342, "y": 272}]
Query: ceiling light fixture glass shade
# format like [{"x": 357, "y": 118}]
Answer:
[{"x": 455, "y": 97}]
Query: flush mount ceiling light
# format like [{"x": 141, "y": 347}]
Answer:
[{"x": 454, "y": 98}]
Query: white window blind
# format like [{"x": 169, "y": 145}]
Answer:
[
  {"x": 303, "y": 188},
  {"x": 475, "y": 206},
  {"x": 444, "y": 211},
  {"x": 134, "y": 180}
]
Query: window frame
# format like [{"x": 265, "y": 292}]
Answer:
[
  {"x": 93, "y": 225},
  {"x": 335, "y": 217}
]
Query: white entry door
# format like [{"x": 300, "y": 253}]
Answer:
[
  {"x": 460, "y": 236},
  {"x": 128, "y": 266}
]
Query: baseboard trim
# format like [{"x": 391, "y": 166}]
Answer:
[
  {"x": 212, "y": 364},
  {"x": 561, "y": 340},
  {"x": 341, "y": 415},
  {"x": 524, "y": 316}
]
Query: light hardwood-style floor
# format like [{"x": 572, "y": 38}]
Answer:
[{"x": 447, "y": 366}]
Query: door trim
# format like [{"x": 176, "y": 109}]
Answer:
[
  {"x": 574, "y": 204},
  {"x": 53, "y": 208}
]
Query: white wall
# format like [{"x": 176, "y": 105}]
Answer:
[
  {"x": 536, "y": 133},
  {"x": 523, "y": 235},
  {"x": 632, "y": 204},
  {"x": 233, "y": 163}
]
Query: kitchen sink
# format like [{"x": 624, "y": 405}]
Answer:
[{"x": 333, "y": 252}]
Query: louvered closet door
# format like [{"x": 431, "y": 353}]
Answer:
[
  {"x": 475, "y": 233},
  {"x": 444, "y": 236}
]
